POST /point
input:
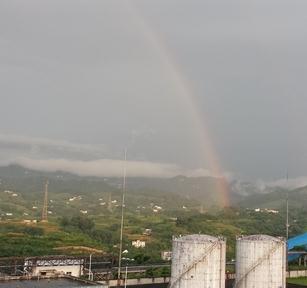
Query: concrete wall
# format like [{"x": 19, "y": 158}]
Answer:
[
  {"x": 298, "y": 273},
  {"x": 164, "y": 280},
  {"x": 159, "y": 280}
]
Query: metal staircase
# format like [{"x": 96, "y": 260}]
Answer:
[
  {"x": 257, "y": 263},
  {"x": 193, "y": 264}
]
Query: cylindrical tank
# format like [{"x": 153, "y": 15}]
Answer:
[
  {"x": 198, "y": 261},
  {"x": 260, "y": 262}
]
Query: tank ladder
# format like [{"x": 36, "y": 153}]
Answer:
[
  {"x": 256, "y": 264},
  {"x": 193, "y": 264}
]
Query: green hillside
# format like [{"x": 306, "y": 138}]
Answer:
[
  {"x": 84, "y": 214},
  {"x": 276, "y": 199}
]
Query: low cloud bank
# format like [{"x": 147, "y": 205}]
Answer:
[
  {"x": 107, "y": 167},
  {"x": 52, "y": 155},
  {"x": 35, "y": 146},
  {"x": 291, "y": 183}
]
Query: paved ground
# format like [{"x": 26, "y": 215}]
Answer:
[{"x": 44, "y": 283}]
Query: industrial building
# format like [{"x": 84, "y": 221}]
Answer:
[
  {"x": 49, "y": 283},
  {"x": 198, "y": 261},
  {"x": 55, "y": 265},
  {"x": 295, "y": 246},
  {"x": 260, "y": 262}
]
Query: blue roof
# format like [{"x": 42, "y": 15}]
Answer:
[{"x": 300, "y": 240}]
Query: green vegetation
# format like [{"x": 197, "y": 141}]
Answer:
[
  {"x": 84, "y": 213},
  {"x": 19, "y": 240},
  {"x": 102, "y": 232},
  {"x": 299, "y": 280}
]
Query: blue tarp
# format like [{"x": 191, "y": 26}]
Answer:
[{"x": 300, "y": 240}]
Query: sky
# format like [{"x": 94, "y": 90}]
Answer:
[{"x": 193, "y": 87}]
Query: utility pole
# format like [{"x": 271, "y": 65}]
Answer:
[
  {"x": 287, "y": 212},
  {"x": 126, "y": 274},
  {"x": 45, "y": 206},
  {"x": 287, "y": 224},
  {"x": 122, "y": 222},
  {"x": 110, "y": 203},
  {"x": 90, "y": 274}
]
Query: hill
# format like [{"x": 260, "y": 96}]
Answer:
[
  {"x": 85, "y": 212},
  {"x": 276, "y": 199},
  {"x": 170, "y": 193}
]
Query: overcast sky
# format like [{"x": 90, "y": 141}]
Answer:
[{"x": 81, "y": 80}]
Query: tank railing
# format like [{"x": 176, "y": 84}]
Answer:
[
  {"x": 256, "y": 264},
  {"x": 203, "y": 257}
]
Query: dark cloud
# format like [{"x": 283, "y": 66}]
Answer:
[{"x": 86, "y": 71}]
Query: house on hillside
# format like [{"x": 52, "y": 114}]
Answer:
[
  {"x": 138, "y": 244},
  {"x": 166, "y": 255}
]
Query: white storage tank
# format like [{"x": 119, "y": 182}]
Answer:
[
  {"x": 198, "y": 261},
  {"x": 260, "y": 262}
]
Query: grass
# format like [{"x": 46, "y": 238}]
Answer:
[
  {"x": 299, "y": 280},
  {"x": 18, "y": 239}
]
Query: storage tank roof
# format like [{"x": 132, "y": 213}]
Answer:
[
  {"x": 259, "y": 237},
  {"x": 197, "y": 238}
]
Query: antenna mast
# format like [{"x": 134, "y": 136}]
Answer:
[
  {"x": 122, "y": 221},
  {"x": 45, "y": 206},
  {"x": 287, "y": 212}
]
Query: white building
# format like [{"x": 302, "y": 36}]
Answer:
[
  {"x": 272, "y": 211},
  {"x": 138, "y": 244},
  {"x": 147, "y": 232},
  {"x": 54, "y": 265},
  {"x": 166, "y": 255}
]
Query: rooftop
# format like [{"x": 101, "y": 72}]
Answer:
[
  {"x": 259, "y": 237},
  {"x": 198, "y": 238},
  {"x": 45, "y": 283}
]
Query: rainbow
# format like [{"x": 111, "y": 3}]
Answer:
[{"x": 187, "y": 98}]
